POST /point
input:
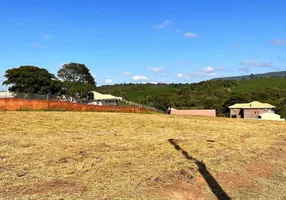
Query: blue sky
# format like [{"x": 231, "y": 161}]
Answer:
[{"x": 145, "y": 41}]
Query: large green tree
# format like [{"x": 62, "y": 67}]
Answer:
[
  {"x": 31, "y": 79},
  {"x": 77, "y": 79}
]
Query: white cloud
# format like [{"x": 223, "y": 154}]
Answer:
[
  {"x": 190, "y": 35},
  {"x": 162, "y": 25},
  {"x": 180, "y": 75},
  {"x": 154, "y": 82},
  {"x": 139, "y": 78},
  {"x": 127, "y": 73},
  {"x": 208, "y": 69},
  {"x": 183, "y": 76},
  {"x": 47, "y": 36},
  {"x": 279, "y": 42},
  {"x": 108, "y": 81},
  {"x": 205, "y": 72},
  {"x": 255, "y": 63},
  {"x": 155, "y": 69}
]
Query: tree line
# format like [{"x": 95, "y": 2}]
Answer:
[
  {"x": 212, "y": 94},
  {"x": 73, "y": 79}
]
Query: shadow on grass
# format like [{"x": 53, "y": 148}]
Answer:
[{"x": 212, "y": 183}]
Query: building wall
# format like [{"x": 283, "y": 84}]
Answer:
[
  {"x": 270, "y": 116},
  {"x": 254, "y": 112},
  {"x": 208, "y": 113},
  {"x": 236, "y": 113},
  {"x": 6, "y": 94},
  {"x": 111, "y": 102},
  {"x": 247, "y": 113}
]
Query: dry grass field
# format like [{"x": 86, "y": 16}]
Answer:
[{"x": 88, "y": 155}]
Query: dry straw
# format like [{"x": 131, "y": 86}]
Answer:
[{"x": 78, "y": 155}]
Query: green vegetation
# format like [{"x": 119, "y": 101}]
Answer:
[
  {"x": 214, "y": 94},
  {"x": 254, "y": 84},
  {"x": 31, "y": 79},
  {"x": 74, "y": 80},
  {"x": 77, "y": 80},
  {"x": 161, "y": 90}
]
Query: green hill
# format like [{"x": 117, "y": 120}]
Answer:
[
  {"x": 212, "y": 94},
  {"x": 133, "y": 92},
  {"x": 252, "y": 85},
  {"x": 154, "y": 89}
]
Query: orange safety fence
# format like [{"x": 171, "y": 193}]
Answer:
[{"x": 11, "y": 104}]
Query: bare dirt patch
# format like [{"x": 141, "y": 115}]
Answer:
[{"x": 195, "y": 189}]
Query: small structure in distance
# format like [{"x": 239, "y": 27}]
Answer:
[
  {"x": 96, "y": 98},
  {"x": 199, "y": 112},
  {"x": 270, "y": 116},
  {"x": 253, "y": 110},
  {"x": 6, "y": 94}
]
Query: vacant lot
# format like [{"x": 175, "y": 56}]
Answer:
[{"x": 76, "y": 155}]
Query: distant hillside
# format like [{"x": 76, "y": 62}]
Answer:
[
  {"x": 252, "y": 85},
  {"x": 154, "y": 89},
  {"x": 213, "y": 94},
  {"x": 248, "y": 77},
  {"x": 133, "y": 92}
]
